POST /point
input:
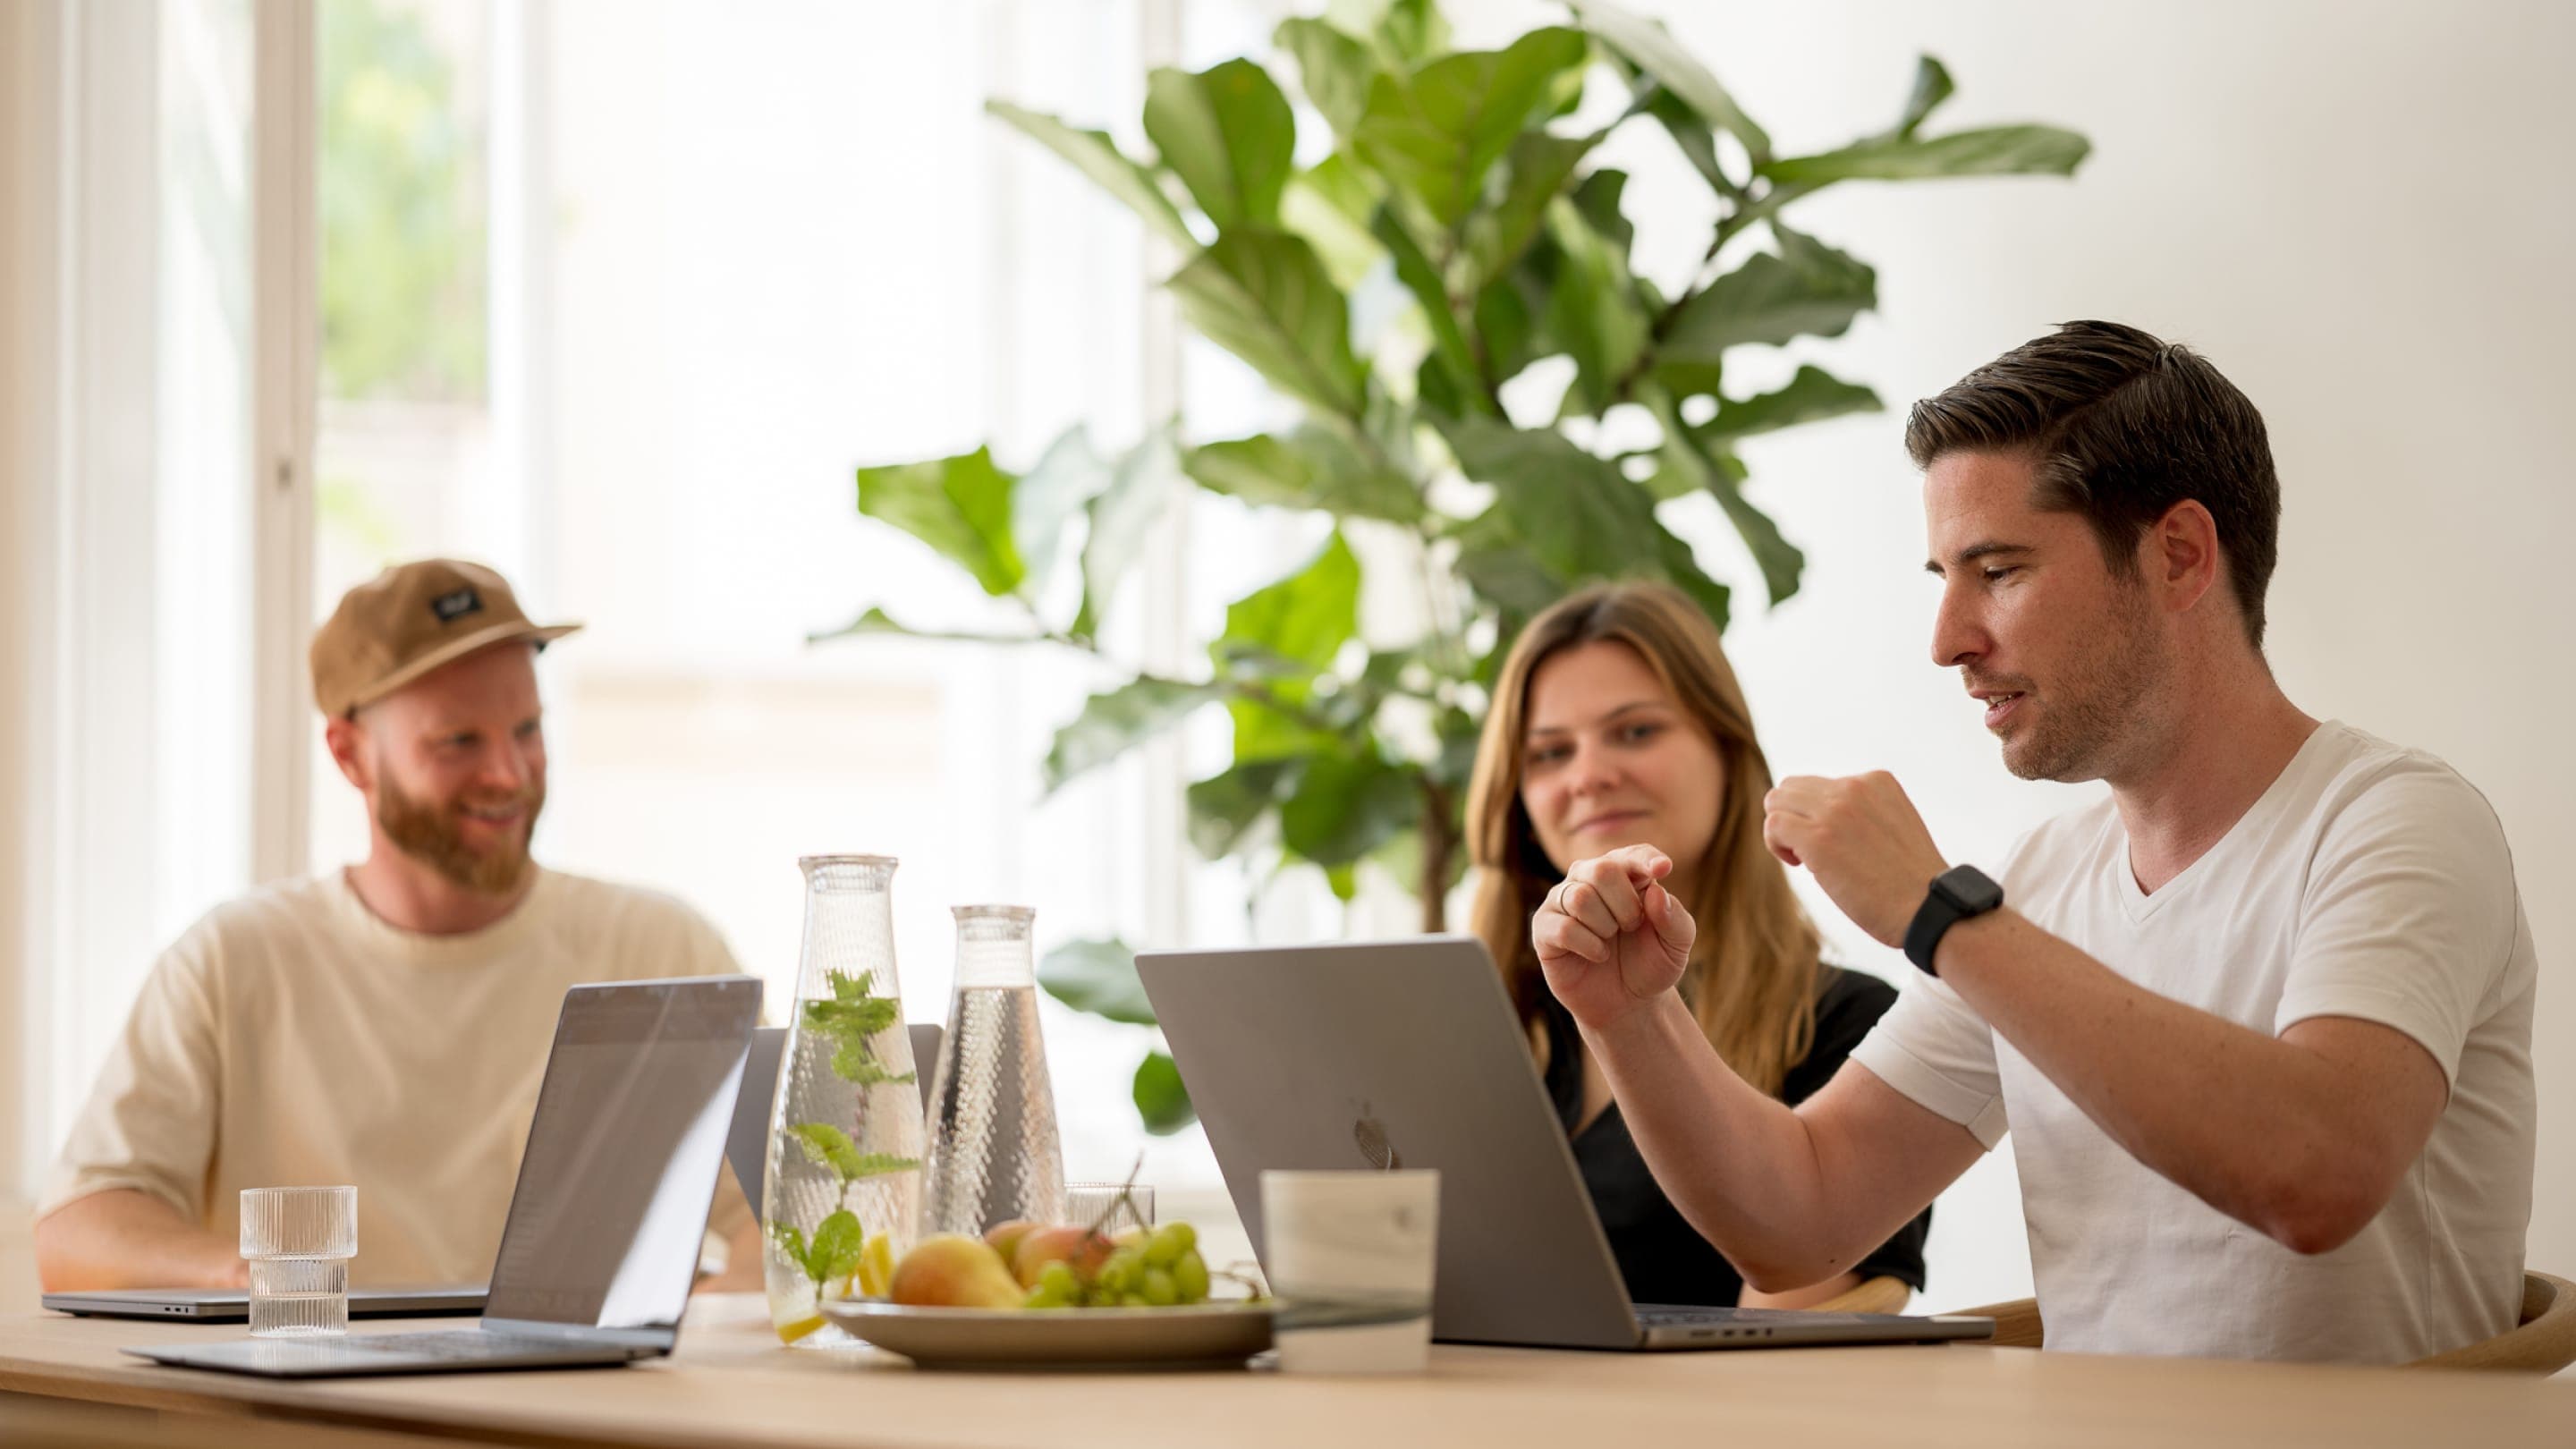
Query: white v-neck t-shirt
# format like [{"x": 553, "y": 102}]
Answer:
[{"x": 2369, "y": 881}]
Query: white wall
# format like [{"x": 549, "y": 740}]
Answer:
[{"x": 2361, "y": 212}]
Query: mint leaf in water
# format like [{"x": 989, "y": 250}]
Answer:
[
  {"x": 838, "y": 1242},
  {"x": 829, "y": 1146}
]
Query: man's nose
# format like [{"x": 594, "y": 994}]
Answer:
[
  {"x": 506, "y": 767},
  {"x": 1956, "y": 635}
]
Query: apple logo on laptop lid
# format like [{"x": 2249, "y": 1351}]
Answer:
[{"x": 1373, "y": 1142}]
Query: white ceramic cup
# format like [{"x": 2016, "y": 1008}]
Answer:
[{"x": 1350, "y": 1258}]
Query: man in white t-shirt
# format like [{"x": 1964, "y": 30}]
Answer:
[
  {"x": 384, "y": 1025},
  {"x": 2261, "y": 1021}
]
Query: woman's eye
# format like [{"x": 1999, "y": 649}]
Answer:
[
  {"x": 1636, "y": 734},
  {"x": 1547, "y": 756}
]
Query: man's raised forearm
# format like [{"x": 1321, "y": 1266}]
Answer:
[
  {"x": 122, "y": 1238},
  {"x": 2300, "y": 1138}
]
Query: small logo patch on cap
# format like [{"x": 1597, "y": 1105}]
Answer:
[{"x": 450, "y": 607}]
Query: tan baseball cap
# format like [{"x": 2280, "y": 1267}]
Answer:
[{"x": 409, "y": 620}]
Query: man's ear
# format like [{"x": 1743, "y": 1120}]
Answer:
[
  {"x": 2182, "y": 555},
  {"x": 347, "y": 741}
]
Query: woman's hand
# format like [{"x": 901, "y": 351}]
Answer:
[{"x": 1610, "y": 938}]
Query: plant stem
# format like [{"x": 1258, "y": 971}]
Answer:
[{"x": 1439, "y": 844}]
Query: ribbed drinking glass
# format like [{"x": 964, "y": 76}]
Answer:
[{"x": 298, "y": 1242}]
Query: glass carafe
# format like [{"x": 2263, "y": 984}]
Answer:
[
  {"x": 994, "y": 1152},
  {"x": 842, "y": 1201}
]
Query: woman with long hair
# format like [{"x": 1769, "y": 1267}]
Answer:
[{"x": 1616, "y": 720}]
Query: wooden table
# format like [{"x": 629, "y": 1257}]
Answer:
[{"x": 731, "y": 1384}]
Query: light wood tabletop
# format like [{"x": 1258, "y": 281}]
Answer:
[{"x": 731, "y": 1383}]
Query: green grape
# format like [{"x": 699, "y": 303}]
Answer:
[
  {"x": 1190, "y": 1276},
  {"x": 1118, "y": 1271},
  {"x": 1134, "y": 1300},
  {"x": 1169, "y": 1242},
  {"x": 1057, "y": 1281},
  {"x": 1159, "y": 1289}
]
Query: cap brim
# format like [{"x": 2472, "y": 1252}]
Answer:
[{"x": 455, "y": 649}]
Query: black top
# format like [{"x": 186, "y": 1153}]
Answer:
[{"x": 1662, "y": 1257}]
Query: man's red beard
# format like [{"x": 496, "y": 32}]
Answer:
[{"x": 433, "y": 835}]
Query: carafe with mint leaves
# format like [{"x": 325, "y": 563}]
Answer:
[{"x": 842, "y": 1200}]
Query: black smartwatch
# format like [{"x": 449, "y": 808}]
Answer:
[{"x": 1957, "y": 893}]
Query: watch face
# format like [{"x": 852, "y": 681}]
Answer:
[{"x": 1973, "y": 890}]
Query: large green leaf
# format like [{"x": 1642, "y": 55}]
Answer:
[
  {"x": 1329, "y": 204},
  {"x": 1333, "y": 69},
  {"x": 1536, "y": 172},
  {"x": 1682, "y": 568},
  {"x": 1302, "y": 621},
  {"x": 1113, "y": 723},
  {"x": 1652, "y": 49},
  {"x": 1068, "y": 475},
  {"x": 1597, "y": 197},
  {"x": 1807, "y": 288},
  {"x": 1400, "y": 33},
  {"x": 1138, "y": 490},
  {"x": 1779, "y": 559},
  {"x": 1162, "y": 1102},
  {"x": 1314, "y": 467},
  {"x": 1992, "y": 151},
  {"x": 1305, "y": 617},
  {"x": 1347, "y": 804},
  {"x": 1573, "y": 512},
  {"x": 1811, "y": 396},
  {"x": 1098, "y": 977},
  {"x": 1421, "y": 277},
  {"x": 1437, "y": 132},
  {"x": 1932, "y": 86},
  {"x": 1264, "y": 296},
  {"x": 1096, "y": 156},
  {"x": 1227, "y": 133},
  {"x": 1224, "y": 807},
  {"x": 960, "y": 506},
  {"x": 1592, "y": 310}
]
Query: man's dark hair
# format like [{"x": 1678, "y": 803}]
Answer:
[{"x": 2121, "y": 426}]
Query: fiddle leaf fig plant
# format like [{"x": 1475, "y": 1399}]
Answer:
[{"x": 1462, "y": 193}]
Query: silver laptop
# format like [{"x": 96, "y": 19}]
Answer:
[
  {"x": 601, "y": 1243},
  {"x": 1408, "y": 1054},
  {"x": 232, "y": 1305},
  {"x": 747, "y": 1145}
]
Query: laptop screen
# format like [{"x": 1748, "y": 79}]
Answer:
[{"x": 620, "y": 1166}]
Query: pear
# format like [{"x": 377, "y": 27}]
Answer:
[{"x": 948, "y": 1271}]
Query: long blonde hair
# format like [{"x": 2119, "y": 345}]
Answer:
[{"x": 1752, "y": 978}]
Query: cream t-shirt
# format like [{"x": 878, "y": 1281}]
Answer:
[
  {"x": 2369, "y": 881},
  {"x": 291, "y": 1037}
]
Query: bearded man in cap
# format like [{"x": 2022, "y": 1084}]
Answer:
[{"x": 386, "y": 1024}]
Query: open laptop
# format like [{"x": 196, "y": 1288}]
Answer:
[
  {"x": 747, "y": 1144},
  {"x": 602, "y": 1238},
  {"x": 232, "y": 1305},
  {"x": 1407, "y": 1054}
]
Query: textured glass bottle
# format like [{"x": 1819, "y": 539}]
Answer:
[
  {"x": 842, "y": 1200},
  {"x": 994, "y": 1152}
]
